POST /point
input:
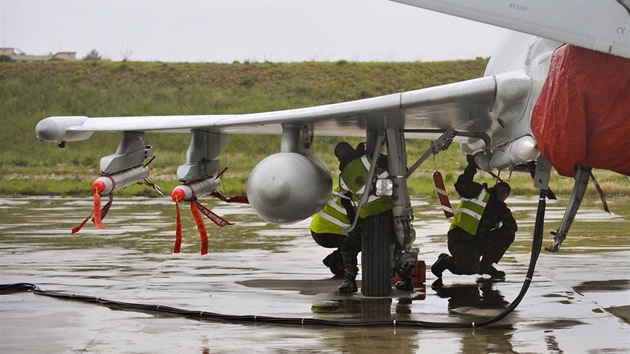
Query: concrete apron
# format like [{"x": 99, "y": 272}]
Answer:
[{"x": 578, "y": 300}]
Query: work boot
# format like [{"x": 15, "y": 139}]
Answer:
[
  {"x": 440, "y": 265},
  {"x": 348, "y": 286},
  {"x": 491, "y": 271},
  {"x": 437, "y": 285},
  {"x": 406, "y": 284},
  {"x": 334, "y": 262}
]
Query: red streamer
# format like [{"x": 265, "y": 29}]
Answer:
[
  {"x": 601, "y": 193},
  {"x": 104, "y": 211},
  {"x": 98, "y": 220},
  {"x": 238, "y": 199},
  {"x": 203, "y": 234},
  {"x": 212, "y": 216},
  {"x": 178, "y": 231}
]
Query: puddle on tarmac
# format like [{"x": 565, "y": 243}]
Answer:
[{"x": 578, "y": 301}]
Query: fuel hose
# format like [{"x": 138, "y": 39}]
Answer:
[{"x": 217, "y": 317}]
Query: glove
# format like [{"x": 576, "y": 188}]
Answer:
[
  {"x": 361, "y": 148},
  {"x": 471, "y": 161}
]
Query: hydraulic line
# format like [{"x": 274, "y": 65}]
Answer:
[{"x": 212, "y": 316}]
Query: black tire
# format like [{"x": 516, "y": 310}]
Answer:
[{"x": 376, "y": 254}]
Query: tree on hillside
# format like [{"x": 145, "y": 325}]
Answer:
[{"x": 92, "y": 55}]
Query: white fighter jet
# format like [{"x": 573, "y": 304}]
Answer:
[{"x": 556, "y": 93}]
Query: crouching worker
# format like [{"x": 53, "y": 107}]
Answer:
[
  {"x": 326, "y": 230},
  {"x": 354, "y": 168},
  {"x": 482, "y": 229}
]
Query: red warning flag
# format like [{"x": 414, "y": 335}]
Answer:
[
  {"x": 98, "y": 220},
  {"x": 441, "y": 190},
  {"x": 237, "y": 199},
  {"x": 178, "y": 230},
  {"x": 103, "y": 212},
  {"x": 212, "y": 216},
  {"x": 201, "y": 227}
]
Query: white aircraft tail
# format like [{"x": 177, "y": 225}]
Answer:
[{"x": 601, "y": 25}]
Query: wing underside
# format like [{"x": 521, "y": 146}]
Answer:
[
  {"x": 601, "y": 25},
  {"x": 423, "y": 113}
]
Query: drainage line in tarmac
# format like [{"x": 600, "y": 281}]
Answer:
[{"x": 212, "y": 316}]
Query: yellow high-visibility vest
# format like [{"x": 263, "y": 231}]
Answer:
[
  {"x": 470, "y": 211},
  {"x": 332, "y": 217},
  {"x": 353, "y": 179}
]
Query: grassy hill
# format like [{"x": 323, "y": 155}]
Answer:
[{"x": 32, "y": 91}]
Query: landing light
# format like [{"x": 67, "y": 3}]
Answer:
[{"x": 384, "y": 187}]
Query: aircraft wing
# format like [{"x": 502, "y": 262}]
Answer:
[
  {"x": 601, "y": 25},
  {"x": 426, "y": 112}
]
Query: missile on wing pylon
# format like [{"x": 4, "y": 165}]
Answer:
[
  {"x": 192, "y": 191},
  {"x": 107, "y": 184}
]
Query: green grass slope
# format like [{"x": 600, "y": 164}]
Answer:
[{"x": 32, "y": 91}]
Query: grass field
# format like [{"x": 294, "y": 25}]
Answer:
[{"x": 32, "y": 91}]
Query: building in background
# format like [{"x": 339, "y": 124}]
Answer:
[{"x": 19, "y": 55}]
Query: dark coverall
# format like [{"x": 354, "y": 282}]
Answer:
[
  {"x": 490, "y": 242},
  {"x": 343, "y": 261},
  {"x": 352, "y": 245}
]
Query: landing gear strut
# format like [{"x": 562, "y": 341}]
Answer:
[
  {"x": 579, "y": 189},
  {"x": 387, "y": 241}
]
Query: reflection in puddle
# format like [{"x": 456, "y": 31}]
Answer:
[
  {"x": 379, "y": 308},
  {"x": 607, "y": 285},
  {"x": 477, "y": 299}
]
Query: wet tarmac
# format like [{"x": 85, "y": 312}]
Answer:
[{"x": 578, "y": 302}]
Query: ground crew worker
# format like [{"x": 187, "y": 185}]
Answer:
[
  {"x": 340, "y": 211},
  {"x": 326, "y": 230},
  {"x": 483, "y": 228},
  {"x": 354, "y": 165}
]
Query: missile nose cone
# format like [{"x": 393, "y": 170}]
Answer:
[
  {"x": 178, "y": 195},
  {"x": 98, "y": 186}
]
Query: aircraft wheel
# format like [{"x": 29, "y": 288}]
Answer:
[{"x": 375, "y": 255}]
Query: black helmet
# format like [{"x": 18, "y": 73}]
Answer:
[{"x": 503, "y": 185}]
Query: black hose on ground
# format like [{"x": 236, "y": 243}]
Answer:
[{"x": 211, "y": 316}]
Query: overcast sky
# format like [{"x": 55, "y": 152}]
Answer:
[{"x": 242, "y": 30}]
